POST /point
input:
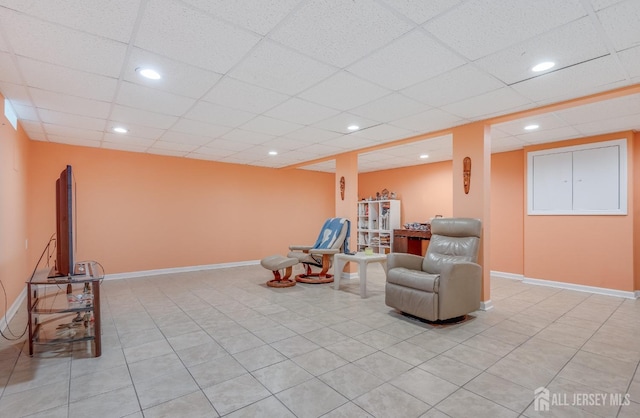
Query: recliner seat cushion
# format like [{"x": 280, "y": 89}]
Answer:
[{"x": 413, "y": 279}]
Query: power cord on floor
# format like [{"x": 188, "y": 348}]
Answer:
[{"x": 13, "y": 336}]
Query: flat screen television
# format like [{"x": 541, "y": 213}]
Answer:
[{"x": 65, "y": 243}]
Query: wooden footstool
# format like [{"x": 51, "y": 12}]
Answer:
[{"x": 275, "y": 263}]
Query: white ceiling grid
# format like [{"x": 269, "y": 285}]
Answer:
[{"x": 242, "y": 78}]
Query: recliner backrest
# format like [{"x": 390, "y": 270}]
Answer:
[
  {"x": 333, "y": 233},
  {"x": 452, "y": 240}
]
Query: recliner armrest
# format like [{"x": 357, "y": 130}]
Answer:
[
  {"x": 300, "y": 247},
  {"x": 324, "y": 251},
  {"x": 408, "y": 261},
  {"x": 460, "y": 289}
]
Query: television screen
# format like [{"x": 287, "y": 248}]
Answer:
[{"x": 64, "y": 223}]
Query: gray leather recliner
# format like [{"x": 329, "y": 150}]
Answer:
[{"x": 446, "y": 283}]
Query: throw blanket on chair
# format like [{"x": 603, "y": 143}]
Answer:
[{"x": 329, "y": 234}]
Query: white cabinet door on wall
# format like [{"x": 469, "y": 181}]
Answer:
[{"x": 588, "y": 179}]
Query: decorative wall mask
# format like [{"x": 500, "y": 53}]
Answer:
[
  {"x": 466, "y": 174},
  {"x": 342, "y": 187}
]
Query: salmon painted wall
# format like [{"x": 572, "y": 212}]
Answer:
[
  {"x": 14, "y": 268},
  {"x": 424, "y": 190},
  {"x": 636, "y": 210},
  {"x": 139, "y": 212},
  {"x": 586, "y": 250},
  {"x": 507, "y": 212}
]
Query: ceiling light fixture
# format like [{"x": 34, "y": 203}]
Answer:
[
  {"x": 353, "y": 127},
  {"x": 543, "y": 66},
  {"x": 273, "y": 152},
  {"x": 424, "y": 156},
  {"x": 120, "y": 130},
  {"x": 531, "y": 127},
  {"x": 149, "y": 73}
]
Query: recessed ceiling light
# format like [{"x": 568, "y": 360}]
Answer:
[
  {"x": 424, "y": 156},
  {"x": 149, "y": 73},
  {"x": 273, "y": 152},
  {"x": 531, "y": 127},
  {"x": 120, "y": 130},
  {"x": 543, "y": 66},
  {"x": 353, "y": 127}
]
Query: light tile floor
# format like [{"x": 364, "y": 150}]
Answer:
[{"x": 222, "y": 343}]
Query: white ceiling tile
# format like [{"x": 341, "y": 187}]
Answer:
[
  {"x": 127, "y": 140},
  {"x": 69, "y": 132},
  {"x": 198, "y": 128},
  {"x": 112, "y": 19},
  {"x": 421, "y": 11},
  {"x": 270, "y": 126},
  {"x": 37, "y": 136},
  {"x": 350, "y": 142},
  {"x": 572, "y": 80},
  {"x": 549, "y": 135},
  {"x": 344, "y": 91},
  {"x": 429, "y": 121},
  {"x": 389, "y": 108},
  {"x": 240, "y": 95},
  {"x": 503, "y": 100},
  {"x": 64, "y": 103},
  {"x": 623, "y": 106},
  {"x": 82, "y": 122},
  {"x": 459, "y": 84},
  {"x": 152, "y": 100},
  {"x": 480, "y": 27},
  {"x": 8, "y": 71},
  {"x": 166, "y": 152},
  {"x": 228, "y": 145},
  {"x": 218, "y": 115},
  {"x": 601, "y": 4},
  {"x": 32, "y": 127},
  {"x": 544, "y": 121},
  {"x": 340, "y": 32},
  {"x": 51, "y": 77},
  {"x": 210, "y": 152},
  {"x": 568, "y": 45},
  {"x": 384, "y": 133},
  {"x": 77, "y": 141},
  {"x": 326, "y": 166},
  {"x": 278, "y": 68},
  {"x": 510, "y": 143},
  {"x": 321, "y": 150},
  {"x": 247, "y": 136},
  {"x": 173, "y": 146},
  {"x": 25, "y": 113},
  {"x": 124, "y": 147},
  {"x": 622, "y": 123},
  {"x": 342, "y": 121},
  {"x": 256, "y": 15},
  {"x": 413, "y": 58},
  {"x": 183, "y": 138},
  {"x": 301, "y": 111},
  {"x": 309, "y": 134},
  {"x": 132, "y": 116},
  {"x": 177, "y": 77},
  {"x": 65, "y": 47},
  {"x": 135, "y": 130},
  {"x": 630, "y": 59},
  {"x": 172, "y": 29},
  {"x": 283, "y": 144},
  {"x": 620, "y": 22}
]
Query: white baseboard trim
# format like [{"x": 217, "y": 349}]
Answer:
[
  {"x": 637, "y": 293},
  {"x": 349, "y": 276},
  {"x": 503, "y": 275},
  {"x": 486, "y": 305},
  {"x": 582, "y": 288},
  {"x": 145, "y": 273},
  {"x": 13, "y": 310}
]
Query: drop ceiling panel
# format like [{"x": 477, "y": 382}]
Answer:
[
  {"x": 152, "y": 100},
  {"x": 456, "y": 85},
  {"x": 349, "y": 142},
  {"x": 69, "y": 104},
  {"x": 166, "y": 152},
  {"x": 207, "y": 43},
  {"x": 421, "y": 11},
  {"x": 620, "y": 22},
  {"x": 65, "y": 47},
  {"x": 256, "y": 15},
  {"x": 344, "y": 91},
  {"x": 228, "y": 145},
  {"x": 389, "y": 108},
  {"x": 183, "y": 138},
  {"x": 68, "y": 132},
  {"x": 247, "y": 136},
  {"x": 240, "y": 95},
  {"x": 112, "y": 19},
  {"x": 173, "y": 146},
  {"x": 301, "y": 111},
  {"x": 126, "y": 141},
  {"x": 413, "y": 58},
  {"x": 480, "y": 27},
  {"x": 70, "y": 140},
  {"x": 8, "y": 71},
  {"x": 210, "y": 152},
  {"x": 623, "y": 106},
  {"x": 630, "y": 59},
  {"x": 429, "y": 121},
  {"x": 622, "y": 123},
  {"x": 384, "y": 133},
  {"x": 342, "y": 121},
  {"x": 218, "y": 115},
  {"x": 83, "y": 122},
  {"x": 270, "y": 126},
  {"x": 281, "y": 69},
  {"x": 195, "y": 127},
  {"x": 309, "y": 134},
  {"x": 550, "y": 135},
  {"x": 327, "y": 166},
  {"x": 510, "y": 143},
  {"x": 130, "y": 115},
  {"x": 571, "y": 81},
  {"x": 568, "y": 45},
  {"x": 601, "y": 4},
  {"x": 51, "y": 77},
  {"x": 544, "y": 121},
  {"x": 178, "y": 78},
  {"x": 282, "y": 144},
  {"x": 340, "y": 32},
  {"x": 124, "y": 147}
]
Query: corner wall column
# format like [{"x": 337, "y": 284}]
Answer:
[
  {"x": 347, "y": 167},
  {"x": 474, "y": 141}
]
